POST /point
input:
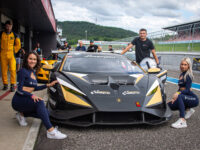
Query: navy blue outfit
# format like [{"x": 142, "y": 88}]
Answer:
[
  {"x": 22, "y": 101},
  {"x": 186, "y": 98},
  {"x": 78, "y": 48},
  {"x": 38, "y": 50}
]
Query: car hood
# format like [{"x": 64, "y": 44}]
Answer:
[{"x": 109, "y": 91}]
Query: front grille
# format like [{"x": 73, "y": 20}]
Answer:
[
  {"x": 118, "y": 118},
  {"x": 83, "y": 119},
  {"x": 152, "y": 118}
]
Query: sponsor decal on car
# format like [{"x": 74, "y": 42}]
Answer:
[
  {"x": 130, "y": 92},
  {"x": 100, "y": 92},
  {"x": 99, "y": 56}
]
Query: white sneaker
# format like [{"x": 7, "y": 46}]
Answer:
[
  {"x": 55, "y": 134},
  {"x": 189, "y": 113},
  {"x": 180, "y": 123},
  {"x": 21, "y": 119}
]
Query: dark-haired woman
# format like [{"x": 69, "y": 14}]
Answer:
[
  {"x": 29, "y": 105},
  {"x": 38, "y": 49}
]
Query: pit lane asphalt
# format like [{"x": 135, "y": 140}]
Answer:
[{"x": 136, "y": 137}]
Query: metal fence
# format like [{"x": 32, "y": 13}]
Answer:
[{"x": 184, "y": 38}]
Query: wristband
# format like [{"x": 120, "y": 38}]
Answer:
[
  {"x": 32, "y": 96},
  {"x": 178, "y": 92}
]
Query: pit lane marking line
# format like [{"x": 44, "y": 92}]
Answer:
[
  {"x": 6, "y": 94},
  {"x": 33, "y": 132}
]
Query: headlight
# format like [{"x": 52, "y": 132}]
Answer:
[
  {"x": 157, "y": 97},
  {"x": 153, "y": 88},
  {"x": 72, "y": 91},
  {"x": 72, "y": 94},
  {"x": 62, "y": 82},
  {"x": 153, "y": 91}
]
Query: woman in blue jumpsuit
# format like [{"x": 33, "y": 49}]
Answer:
[
  {"x": 28, "y": 104},
  {"x": 184, "y": 99}
]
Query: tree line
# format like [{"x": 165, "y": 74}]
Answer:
[{"x": 76, "y": 30}]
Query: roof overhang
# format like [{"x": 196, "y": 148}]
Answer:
[
  {"x": 183, "y": 24},
  {"x": 35, "y": 14}
]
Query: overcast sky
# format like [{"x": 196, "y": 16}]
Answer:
[{"x": 128, "y": 14}]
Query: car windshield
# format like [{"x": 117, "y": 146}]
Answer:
[
  {"x": 58, "y": 57},
  {"x": 130, "y": 55},
  {"x": 100, "y": 64}
]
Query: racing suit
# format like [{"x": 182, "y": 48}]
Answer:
[{"x": 10, "y": 44}]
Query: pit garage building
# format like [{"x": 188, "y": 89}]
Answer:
[{"x": 33, "y": 21}]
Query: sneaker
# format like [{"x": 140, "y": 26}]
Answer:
[
  {"x": 21, "y": 119},
  {"x": 55, "y": 134},
  {"x": 5, "y": 87},
  {"x": 180, "y": 123},
  {"x": 12, "y": 88},
  {"x": 189, "y": 113}
]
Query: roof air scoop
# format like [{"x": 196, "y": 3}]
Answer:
[
  {"x": 97, "y": 80},
  {"x": 113, "y": 84}
]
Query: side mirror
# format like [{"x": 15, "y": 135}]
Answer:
[
  {"x": 47, "y": 67},
  {"x": 153, "y": 70}
]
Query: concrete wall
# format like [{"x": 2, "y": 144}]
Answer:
[{"x": 171, "y": 60}]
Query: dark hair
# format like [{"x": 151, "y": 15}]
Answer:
[
  {"x": 37, "y": 45},
  {"x": 8, "y": 22},
  {"x": 143, "y": 30},
  {"x": 25, "y": 61}
]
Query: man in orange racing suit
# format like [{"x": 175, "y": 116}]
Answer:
[{"x": 10, "y": 44}]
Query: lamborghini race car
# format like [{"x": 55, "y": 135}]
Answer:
[
  {"x": 43, "y": 75},
  {"x": 106, "y": 89}
]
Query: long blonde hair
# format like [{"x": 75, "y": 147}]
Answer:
[{"x": 189, "y": 71}]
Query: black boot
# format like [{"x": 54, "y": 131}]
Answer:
[
  {"x": 12, "y": 88},
  {"x": 5, "y": 87}
]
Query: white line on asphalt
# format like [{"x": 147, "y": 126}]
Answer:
[{"x": 33, "y": 133}]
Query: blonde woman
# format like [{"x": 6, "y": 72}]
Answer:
[{"x": 184, "y": 99}]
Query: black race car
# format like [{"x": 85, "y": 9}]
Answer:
[{"x": 106, "y": 89}]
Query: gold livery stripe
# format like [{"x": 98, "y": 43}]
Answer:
[
  {"x": 139, "y": 78},
  {"x": 71, "y": 98},
  {"x": 76, "y": 75},
  {"x": 63, "y": 63},
  {"x": 139, "y": 66},
  {"x": 157, "y": 98},
  {"x": 162, "y": 73},
  {"x": 153, "y": 70}
]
